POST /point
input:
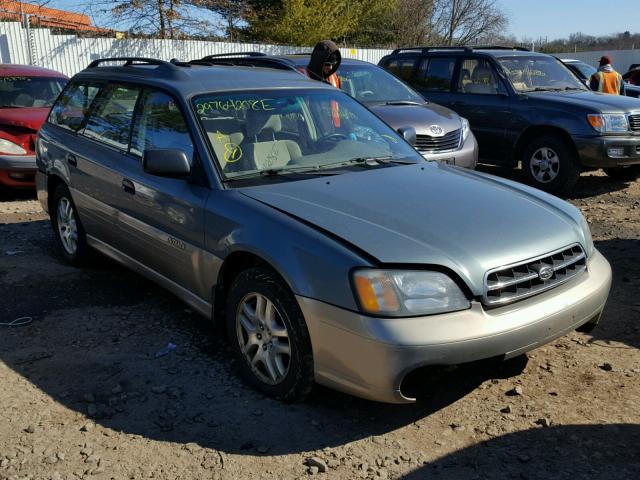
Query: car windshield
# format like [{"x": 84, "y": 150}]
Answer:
[
  {"x": 539, "y": 73},
  {"x": 26, "y": 92},
  {"x": 372, "y": 84},
  {"x": 585, "y": 69},
  {"x": 270, "y": 130}
]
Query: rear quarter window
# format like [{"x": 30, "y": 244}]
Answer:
[{"x": 73, "y": 105}]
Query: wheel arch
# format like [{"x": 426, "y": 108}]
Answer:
[{"x": 535, "y": 131}]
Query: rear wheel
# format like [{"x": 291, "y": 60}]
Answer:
[
  {"x": 550, "y": 164},
  {"x": 70, "y": 234},
  {"x": 625, "y": 174},
  {"x": 269, "y": 336}
]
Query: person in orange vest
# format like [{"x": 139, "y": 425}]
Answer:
[
  {"x": 323, "y": 65},
  {"x": 606, "y": 79}
]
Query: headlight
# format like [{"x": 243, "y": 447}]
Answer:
[
  {"x": 9, "y": 147},
  {"x": 407, "y": 292},
  {"x": 465, "y": 128},
  {"x": 586, "y": 231},
  {"x": 609, "y": 123}
]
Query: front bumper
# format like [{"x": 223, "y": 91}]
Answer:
[
  {"x": 17, "y": 170},
  {"x": 369, "y": 357},
  {"x": 466, "y": 156},
  {"x": 595, "y": 151}
]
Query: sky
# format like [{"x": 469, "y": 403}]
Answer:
[
  {"x": 535, "y": 18},
  {"x": 559, "y": 18}
]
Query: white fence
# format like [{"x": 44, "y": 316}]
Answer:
[
  {"x": 69, "y": 54},
  {"x": 621, "y": 58}
]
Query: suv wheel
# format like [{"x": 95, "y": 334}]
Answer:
[
  {"x": 70, "y": 234},
  {"x": 269, "y": 336},
  {"x": 550, "y": 164},
  {"x": 623, "y": 173}
]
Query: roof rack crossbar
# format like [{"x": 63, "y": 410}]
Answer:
[
  {"x": 235, "y": 54},
  {"x": 278, "y": 63},
  {"x": 129, "y": 61}
]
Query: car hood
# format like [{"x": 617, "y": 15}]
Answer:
[
  {"x": 29, "y": 118},
  {"x": 430, "y": 214},
  {"x": 420, "y": 117},
  {"x": 602, "y": 102}
]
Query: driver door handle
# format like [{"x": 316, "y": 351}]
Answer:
[{"x": 128, "y": 186}]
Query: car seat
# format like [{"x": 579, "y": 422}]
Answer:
[
  {"x": 264, "y": 149},
  {"x": 225, "y": 135},
  {"x": 482, "y": 81}
]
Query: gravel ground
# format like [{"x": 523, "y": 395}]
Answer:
[{"x": 83, "y": 395}]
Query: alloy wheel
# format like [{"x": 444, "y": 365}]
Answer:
[
  {"x": 544, "y": 165},
  {"x": 67, "y": 227},
  {"x": 263, "y": 338}
]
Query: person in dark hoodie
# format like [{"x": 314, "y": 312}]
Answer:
[{"x": 324, "y": 63}]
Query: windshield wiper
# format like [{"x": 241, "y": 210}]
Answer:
[
  {"x": 404, "y": 102},
  {"x": 372, "y": 161}
]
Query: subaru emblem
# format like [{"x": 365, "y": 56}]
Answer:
[
  {"x": 545, "y": 273},
  {"x": 436, "y": 130}
]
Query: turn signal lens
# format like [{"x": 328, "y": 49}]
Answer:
[
  {"x": 596, "y": 121},
  {"x": 376, "y": 292}
]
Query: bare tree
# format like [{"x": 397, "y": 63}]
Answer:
[
  {"x": 232, "y": 13},
  {"x": 462, "y": 22},
  {"x": 412, "y": 23}
]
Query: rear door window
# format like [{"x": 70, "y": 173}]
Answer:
[
  {"x": 110, "y": 121},
  {"x": 73, "y": 105},
  {"x": 402, "y": 68},
  {"x": 160, "y": 124},
  {"x": 435, "y": 74}
]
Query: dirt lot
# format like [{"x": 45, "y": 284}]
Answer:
[{"x": 82, "y": 394}]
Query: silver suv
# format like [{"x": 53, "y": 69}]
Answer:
[{"x": 330, "y": 253}]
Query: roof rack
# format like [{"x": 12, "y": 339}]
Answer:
[
  {"x": 468, "y": 48},
  {"x": 499, "y": 47},
  {"x": 256, "y": 61},
  {"x": 131, "y": 61},
  {"x": 235, "y": 54},
  {"x": 428, "y": 49}
]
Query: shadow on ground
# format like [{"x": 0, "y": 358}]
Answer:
[
  {"x": 588, "y": 185},
  {"x": 564, "y": 452},
  {"x": 92, "y": 347}
]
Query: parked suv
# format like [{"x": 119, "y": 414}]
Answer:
[
  {"x": 329, "y": 254},
  {"x": 442, "y": 135},
  {"x": 526, "y": 106}
]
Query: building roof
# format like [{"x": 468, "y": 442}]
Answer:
[{"x": 47, "y": 17}]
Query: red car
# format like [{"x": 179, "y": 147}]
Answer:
[{"x": 26, "y": 96}]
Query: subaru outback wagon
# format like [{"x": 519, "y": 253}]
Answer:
[{"x": 330, "y": 253}]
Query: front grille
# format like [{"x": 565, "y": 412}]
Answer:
[
  {"x": 448, "y": 142},
  {"x": 514, "y": 282},
  {"x": 634, "y": 122}
]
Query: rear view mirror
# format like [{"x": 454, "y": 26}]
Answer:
[
  {"x": 409, "y": 134},
  {"x": 166, "y": 162}
]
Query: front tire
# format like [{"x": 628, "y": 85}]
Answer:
[
  {"x": 70, "y": 235},
  {"x": 268, "y": 335},
  {"x": 550, "y": 164}
]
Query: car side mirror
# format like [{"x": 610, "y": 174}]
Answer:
[
  {"x": 166, "y": 162},
  {"x": 409, "y": 134}
]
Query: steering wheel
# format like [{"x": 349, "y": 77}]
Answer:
[
  {"x": 366, "y": 93},
  {"x": 332, "y": 138}
]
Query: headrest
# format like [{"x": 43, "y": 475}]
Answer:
[
  {"x": 482, "y": 73},
  {"x": 257, "y": 122}
]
